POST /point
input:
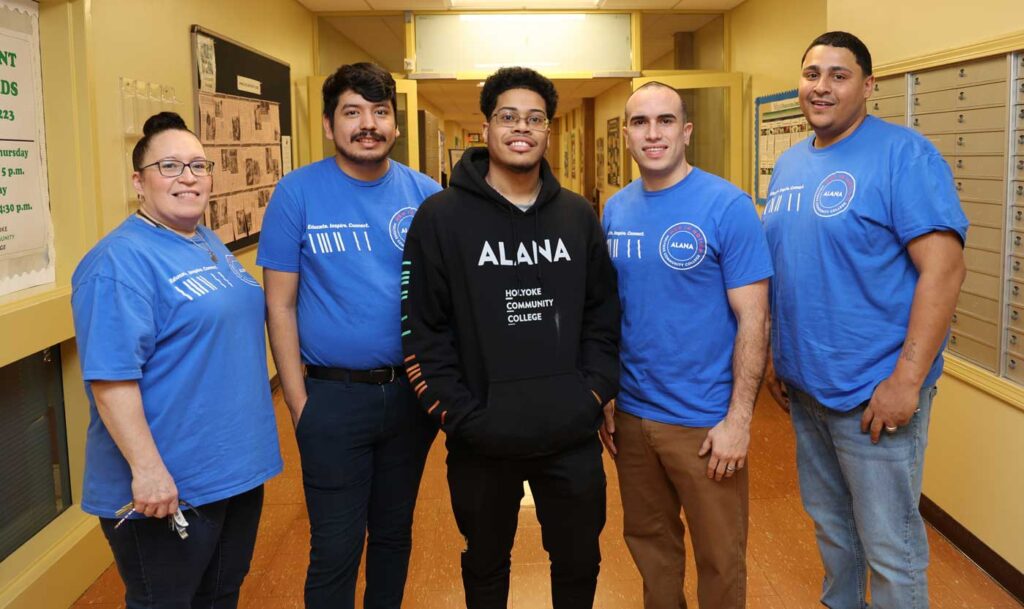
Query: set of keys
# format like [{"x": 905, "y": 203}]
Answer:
[{"x": 175, "y": 521}]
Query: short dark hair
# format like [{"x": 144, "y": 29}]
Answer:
[
  {"x": 844, "y": 40},
  {"x": 654, "y": 84},
  {"x": 155, "y": 125},
  {"x": 371, "y": 81},
  {"x": 507, "y": 79}
]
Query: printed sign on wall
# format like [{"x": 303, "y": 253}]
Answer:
[{"x": 26, "y": 251}]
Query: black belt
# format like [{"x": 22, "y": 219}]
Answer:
[{"x": 376, "y": 376}]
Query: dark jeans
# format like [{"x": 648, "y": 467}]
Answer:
[
  {"x": 363, "y": 448},
  {"x": 163, "y": 571},
  {"x": 569, "y": 491}
]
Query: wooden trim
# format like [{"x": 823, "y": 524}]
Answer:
[
  {"x": 997, "y": 46},
  {"x": 997, "y": 567}
]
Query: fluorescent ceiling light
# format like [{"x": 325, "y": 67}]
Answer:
[
  {"x": 523, "y": 17},
  {"x": 519, "y": 4}
]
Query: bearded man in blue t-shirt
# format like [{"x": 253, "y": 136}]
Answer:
[
  {"x": 693, "y": 271},
  {"x": 867, "y": 234},
  {"x": 331, "y": 250}
]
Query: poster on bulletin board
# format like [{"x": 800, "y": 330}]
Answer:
[
  {"x": 26, "y": 233},
  {"x": 243, "y": 119},
  {"x": 778, "y": 125}
]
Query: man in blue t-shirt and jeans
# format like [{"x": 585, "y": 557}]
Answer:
[
  {"x": 331, "y": 250},
  {"x": 866, "y": 234},
  {"x": 693, "y": 271}
]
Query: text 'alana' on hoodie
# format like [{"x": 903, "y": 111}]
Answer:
[{"x": 510, "y": 318}]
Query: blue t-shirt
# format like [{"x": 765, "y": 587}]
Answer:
[
  {"x": 838, "y": 221},
  {"x": 676, "y": 252},
  {"x": 344, "y": 237},
  {"x": 149, "y": 306}
]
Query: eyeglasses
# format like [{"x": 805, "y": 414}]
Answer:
[
  {"x": 510, "y": 119},
  {"x": 169, "y": 168}
]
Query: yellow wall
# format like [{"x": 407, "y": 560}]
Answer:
[
  {"x": 908, "y": 28},
  {"x": 766, "y": 40},
  {"x": 974, "y": 464},
  {"x": 336, "y": 49},
  {"x": 608, "y": 105},
  {"x": 975, "y": 459},
  {"x": 86, "y": 47},
  {"x": 709, "y": 45}
]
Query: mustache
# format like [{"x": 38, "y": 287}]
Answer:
[{"x": 371, "y": 134}]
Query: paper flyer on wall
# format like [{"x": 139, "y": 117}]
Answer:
[
  {"x": 26, "y": 234},
  {"x": 206, "y": 60}
]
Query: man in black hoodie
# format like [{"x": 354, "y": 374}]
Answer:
[{"x": 511, "y": 332}]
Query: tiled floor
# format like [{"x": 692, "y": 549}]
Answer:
[{"x": 783, "y": 565}]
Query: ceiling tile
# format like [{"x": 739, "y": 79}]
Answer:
[
  {"x": 639, "y": 5},
  {"x": 408, "y": 5},
  {"x": 323, "y": 6}
]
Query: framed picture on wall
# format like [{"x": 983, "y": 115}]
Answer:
[
  {"x": 454, "y": 156},
  {"x": 474, "y": 138},
  {"x": 599, "y": 145},
  {"x": 614, "y": 151},
  {"x": 572, "y": 154}
]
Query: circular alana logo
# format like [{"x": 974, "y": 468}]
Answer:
[
  {"x": 683, "y": 246},
  {"x": 239, "y": 271},
  {"x": 398, "y": 227},
  {"x": 834, "y": 194}
]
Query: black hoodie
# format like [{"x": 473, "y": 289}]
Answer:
[{"x": 510, "y": 319}]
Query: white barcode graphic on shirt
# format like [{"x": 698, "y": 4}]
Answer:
[{"x": 339, "y": 242}]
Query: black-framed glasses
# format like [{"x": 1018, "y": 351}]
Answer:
[
  {"x": 170, "y": 168},
  {"x": 510, "y": 119}
]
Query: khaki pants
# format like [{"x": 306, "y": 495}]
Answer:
[{"x": 659, "y": 472}]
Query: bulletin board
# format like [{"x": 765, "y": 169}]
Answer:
[
  {"x": 778, "y": 125},
  {"x": 243, "y": 119}
]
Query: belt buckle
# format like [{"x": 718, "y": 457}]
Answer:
[{"x": 390, "y": 380}]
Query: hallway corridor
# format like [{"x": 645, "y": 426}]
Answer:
[{"x": 783, "y": 565}]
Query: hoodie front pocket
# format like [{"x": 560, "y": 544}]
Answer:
[{"x": 533, "y": 416}]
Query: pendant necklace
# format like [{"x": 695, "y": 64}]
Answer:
[{"x": 205, "y": 247}]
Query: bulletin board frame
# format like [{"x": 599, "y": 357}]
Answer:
[
  {"x": 764, "y": 106},
  {"x": 245, "y": 75}
]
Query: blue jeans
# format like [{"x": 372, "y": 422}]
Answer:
[
  {"x": 163, "y": 571},
  {"x": 863, "y": 498},
  {"x": 363, "y": 447}
]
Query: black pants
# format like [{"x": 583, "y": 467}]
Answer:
[
  {"x": 569, "y": 490},
  {"x": 363, "y": 448},
  {"x": 163, "y": 571}
]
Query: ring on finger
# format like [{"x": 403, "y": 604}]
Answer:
[
  {"x": 891, "y": 429},
  {"x": 730, "y": 468}
]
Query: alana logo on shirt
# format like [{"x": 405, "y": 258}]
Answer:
[
  {"x": 834, "y": 194},
  {"x": 683, "y": 246},
  {"x": 528, "y": 253},
  {"x": 398, "y": 227},
  {"x": 239, "y": 271}
]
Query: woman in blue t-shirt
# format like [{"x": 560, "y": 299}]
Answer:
[{"x": 182, "y": 433}]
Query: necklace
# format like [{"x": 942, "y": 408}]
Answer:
[{"x": 204, "y": 247}]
